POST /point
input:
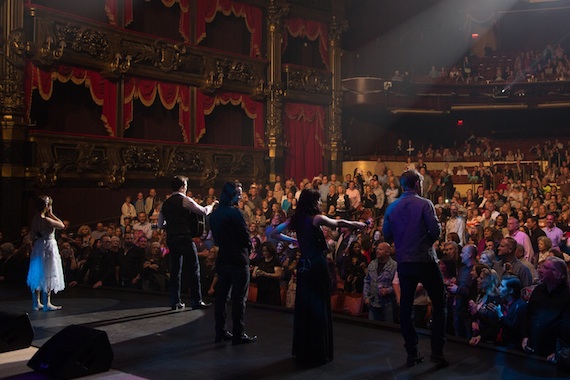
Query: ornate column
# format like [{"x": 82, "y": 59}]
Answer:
[
  {"x": 274, "y": 129},
  {"x": 336, "y": 28},
  {"x": 12, "y": 119}
]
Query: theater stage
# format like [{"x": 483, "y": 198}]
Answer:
[{"x": 151, "y": 342}]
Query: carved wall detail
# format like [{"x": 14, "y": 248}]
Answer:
[
  {"x": 112, "y": 164},
  {"x": 54, "y": 38},
  {"x": 84, "y": 40},
  {"x": 307, "y": 80}
]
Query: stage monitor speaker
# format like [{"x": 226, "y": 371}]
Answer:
[
  {"x": 16, "y": 331},
  {"x": 75, "y": 351}
]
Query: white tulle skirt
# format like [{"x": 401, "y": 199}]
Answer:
[{"x": 46, "y": 271}]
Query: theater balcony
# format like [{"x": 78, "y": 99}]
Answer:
[{"x": 373, "y": 97}]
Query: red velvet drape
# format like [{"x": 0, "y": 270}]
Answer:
[
  {"x": 169, "y": 94},
  {"x": 313, "y": 30},
  {"x": 184, "y": 23},
  {"x": 206, "y": 12},
  {"x": 112, "y": 11},
  {"x": 304, "y": 131},
  {"x": 254, "y": 110},
  {"x": 103, "y": 92}
]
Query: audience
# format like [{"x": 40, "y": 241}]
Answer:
[{"x": 484, "y": 225}]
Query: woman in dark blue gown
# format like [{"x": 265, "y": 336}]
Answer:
[{"x": 312, "y": 326}]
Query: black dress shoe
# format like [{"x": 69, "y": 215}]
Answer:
[
  {"x": 201, "y": 305},
  {"x": 414, "y": 359},
  {"x": 224, "y": 337},
  {"x": 439, "y": 360},
  {"x": 179, "y": 306},
  {"x": 244, "y": 339}
]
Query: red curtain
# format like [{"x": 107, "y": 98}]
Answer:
[
  {"x": 304, "y": 131},
  {"x": 206, "y": 12},
  {"x": 103, "y": 92},
  {"x": 313, "y": 30},
  {"x": 169, "y": 95},
  {"x": 112, "y": 12},
  {"x": 253, "y": 110},
  {"x": 184, "y": 23}
]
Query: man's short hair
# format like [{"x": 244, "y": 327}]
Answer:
[
  {"x": 409, "y": 179},
  {"x": 177, "y": 182}
]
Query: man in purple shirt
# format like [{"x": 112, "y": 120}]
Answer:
[
  {"x": 554, "y": 233},
  {"x": 411, "y": 223}
]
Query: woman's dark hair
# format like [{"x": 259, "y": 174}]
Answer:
[
  {"x": 270, "y": 248},
  {"x": 42, "y": 202},
  {"x": 229, "y": 191},
  {"x": 308, "y": 206},
  {"x": 257, "y": 247},
  {"x": 450, "y": 267},
  {"x": 351, "y": 247}
]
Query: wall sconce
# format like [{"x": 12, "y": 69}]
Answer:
[
  {"x": 116, "y": 177},
  {"x": 47, "y": 175}
]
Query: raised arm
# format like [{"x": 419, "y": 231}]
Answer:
[
  {"x": 323, "y": 220},
  {"x": 278, "y": 233}
]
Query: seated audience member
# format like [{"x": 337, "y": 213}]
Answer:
[
  {"x": 464, "y": 289},
  {"x": 511, "y": 312},
  {"x": 155, "y": 270},
  {"x": 544, "y": 246},
  {"x": 354, "y": 268},
  {"x": 485, "y": 322},
  {"x": 143, "y": 226},
  {"x": 488, "y": 257},
  {"x": 378, "y": 292},
  {"x": 130, "y": 264},
  {"x": 448, "y": 268},
  {"x": 208, "y": 276},
  {"x": 509, "y": 264},
  {"x": 99, "y": 266},
  {"x": 267, "y": 274},
  {"x": 548, "y": 309}
]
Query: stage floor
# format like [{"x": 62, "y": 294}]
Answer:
[{"x": 151, "y": 342}]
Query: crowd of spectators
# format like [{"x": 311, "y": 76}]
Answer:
[
  {"x": 550, "y": 64},
  {"x": 493, "y": 248}
]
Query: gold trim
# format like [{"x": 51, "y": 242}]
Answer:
[
  {"x": 553, "y": 105},
  {"x": 11, "y": 171},
  {"x": 490, "y": 107}
]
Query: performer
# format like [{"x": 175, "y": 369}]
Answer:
[
  {"x": 46, "y": 272},
  {"x": 232, "y": 264},
  {"x": 312, "y": 326},
  {"x": 175, "y": 216},
  {"x": 411, "y": 223}
]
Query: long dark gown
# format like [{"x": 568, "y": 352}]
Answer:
[{"x": 312, "y": 327}]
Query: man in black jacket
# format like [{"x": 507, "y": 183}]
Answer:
[
  {"x": 176, "y": 217},
  {"x": 232, "y": 264}
]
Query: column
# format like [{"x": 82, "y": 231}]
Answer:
[
  {"x": 276, "y": 10},
  {"x": 12, "y": 120}
]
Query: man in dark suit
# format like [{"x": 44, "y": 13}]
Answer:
[
  {"x": 176, "y": 217},
  {"x": 232, "y": 264}
]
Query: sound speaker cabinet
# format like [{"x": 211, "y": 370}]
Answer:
[
  {"x": 75, "y": 351},
  {"x": 16, "y": 331}
]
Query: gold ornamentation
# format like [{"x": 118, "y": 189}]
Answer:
[
  {"x": 85, "y": 40},
  {"x": 308, "y": 80}
]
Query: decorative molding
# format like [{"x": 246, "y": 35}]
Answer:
[
  {"x": 276, "y": 10},
  {"x": 319, "y": 5},
  {"x": 307, "y": 80},
  {"x": 59, "y": 158},
  {"x": 55, "y": 37}
]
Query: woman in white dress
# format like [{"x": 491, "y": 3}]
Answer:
[{"x": 46, "y": 272}]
